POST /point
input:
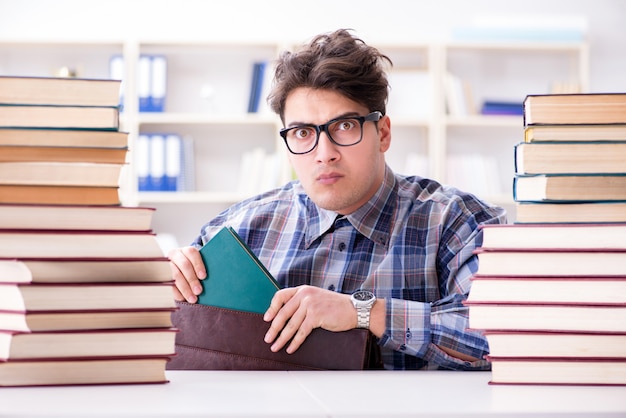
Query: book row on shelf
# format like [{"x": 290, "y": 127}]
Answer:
[
  {"x": 165, "y": 163},
  {"x": 151, "y": 77},
  {"x": 85, "y": 289},
  {"x": 152, "y": 82},
  {"x": 460, "y": 101},
  {"x": 550, "y": 290}
]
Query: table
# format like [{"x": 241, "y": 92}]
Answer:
[{"x": 315, "y": 394}]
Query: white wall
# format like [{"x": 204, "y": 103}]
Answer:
[{"x": 292, "y": 20}]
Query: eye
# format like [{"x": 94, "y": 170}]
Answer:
[
  {"x": 345, "y": 124},
  {"x": 302, "y": 133}
]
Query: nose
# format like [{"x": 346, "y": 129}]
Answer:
[{"x": 326, "y": 150}]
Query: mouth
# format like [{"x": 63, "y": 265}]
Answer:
[{"x": 329, "y": 178}]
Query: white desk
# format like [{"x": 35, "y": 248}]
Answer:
[{"x": 315, "y": 394}]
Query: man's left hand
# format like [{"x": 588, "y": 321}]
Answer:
[{"x": 296, "y": 311}]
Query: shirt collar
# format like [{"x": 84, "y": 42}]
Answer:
[{"x": 373, "y": 219}]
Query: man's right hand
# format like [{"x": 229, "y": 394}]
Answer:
[{"x": 187, "y": 271}]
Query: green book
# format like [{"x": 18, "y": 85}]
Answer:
[{"x": 236, "y": 279}]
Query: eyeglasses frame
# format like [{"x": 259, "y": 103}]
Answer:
[{"x": 371, "y": 117}]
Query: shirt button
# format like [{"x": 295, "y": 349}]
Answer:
[
  {"x": 342, "y": 246},
  {"x": 331, "y": 287}
]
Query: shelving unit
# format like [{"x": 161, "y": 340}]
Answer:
[
  {"x": 489, "y": 69},
  {"x": 207, "y": 93}
]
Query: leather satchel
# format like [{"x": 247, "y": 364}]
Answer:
[{"x": 213, "y": 338}]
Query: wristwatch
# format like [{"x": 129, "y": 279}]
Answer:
[{"x": 363, "y": 300}]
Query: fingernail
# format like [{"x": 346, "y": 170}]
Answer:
[{"x": 197, "y": 289}]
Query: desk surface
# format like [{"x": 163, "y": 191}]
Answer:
[{"x": 315, "y": 394}]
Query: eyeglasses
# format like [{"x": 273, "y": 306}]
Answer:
[{"x": 344, "y": 131}]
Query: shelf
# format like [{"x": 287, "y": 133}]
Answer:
[
  {"x": 486, "y": 121},
  {"x": 207, "y": 119},
  {"x": 189, "y": 197},
  {"x": 573, "y": 46},
  {"x": 208, "y": 87}
]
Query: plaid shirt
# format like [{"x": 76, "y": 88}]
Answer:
[{"x": 410, "y": 244}]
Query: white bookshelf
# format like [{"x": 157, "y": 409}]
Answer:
[{"x": 207, "y": 94}]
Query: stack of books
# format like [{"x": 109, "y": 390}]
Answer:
[
  {"x": 85, "y": 290},
  {"x": 550, "y": 290},
  {"x": 60, "y": 141}
]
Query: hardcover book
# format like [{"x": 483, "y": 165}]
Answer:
[
  {"x": 569, "y": 187},
  {"x": 129, "y": 370},
  {"x": 538, "y": 289},
  {"x": 85, "y": 296},
  {"x": 29, "y": 243},
  {"x": 76, "y": 217},
  {"x": 106, "y": 155},
  {"x": 68, "y": 117},
  {"x": 561, "y": 371},
  {"x": 575, "y": 109},
  {"x": 85, "y": 270},
  {"x": 59, "y": 195},
  {"x": 63, "y": 138},
  {"x": 551, "y": 262},
  {"x": 572, "y": 317},
  {"x": 588, "y": 212},
  {"x": 236, "y": 279},
  {"x": 573, "y": 133},
  {"x": 556, "y": 344},
  {"x": 87, "y": 343},
  {"x": 554, "y": 235},
  {"x": 570, "y": 158},
  {"x": 59, "y": 91},
  {"x": 52, "y": 173},
  {"x": 60, "y": 320}
]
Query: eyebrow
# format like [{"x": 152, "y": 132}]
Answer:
[{"x": 341, "y": 116}]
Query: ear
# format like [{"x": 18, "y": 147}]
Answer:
[{"x": 384, "y": 133}]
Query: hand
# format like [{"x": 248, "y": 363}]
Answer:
[
  {"x": 296, "y": 311},
  {"x": 187, "y": 271}
]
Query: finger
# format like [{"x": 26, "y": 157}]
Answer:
[
  {"x": 182, "y": 289},
  {"x": 289, "y": 331},
  {"x": 177, "y": 295},
  {"x": 184, "y": 272},
  {"x": 193, "y": 255},
  {"x": 278, "y": 300},
  {"x": 302, "y": 333},
  {"x": 279, "y": 312}
]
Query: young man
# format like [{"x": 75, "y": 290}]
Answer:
[{"x": 352, "y": 243}]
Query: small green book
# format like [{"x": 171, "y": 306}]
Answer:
[{"x": 236, "y": 279}]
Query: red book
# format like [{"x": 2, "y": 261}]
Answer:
[
  {"x": 78, "y": 244},
  {"x": 62, "y": 320},
  {"x": 85, "y": 270},
  {"x": 554, "y": 236},
  {"x": 83, "y": 371},
  {"x": 558, "y": 371},
  {"x": 85, "y": 296},
  {"x": 547, "y": 317},
  {"x": 73, "y": 344}
]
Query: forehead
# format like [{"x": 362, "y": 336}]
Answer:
[{"x": 307, "y": 105}]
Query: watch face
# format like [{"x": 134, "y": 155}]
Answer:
[{"x": 363, "y": 295}]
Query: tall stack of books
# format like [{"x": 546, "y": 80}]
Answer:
[
  {"x": 85, "y": 290},
  {"x": 550, "y": 290}
]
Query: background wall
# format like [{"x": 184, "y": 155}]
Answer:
[{"x": 289, "y": 20}]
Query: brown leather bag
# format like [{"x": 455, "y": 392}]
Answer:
[{"x": 212, "y": 338}]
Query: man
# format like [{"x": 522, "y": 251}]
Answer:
[{"x": 350, "y": 224}]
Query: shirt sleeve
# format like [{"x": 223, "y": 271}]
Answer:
[{"x": 420, "y": 328}]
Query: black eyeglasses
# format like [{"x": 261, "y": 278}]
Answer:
[{"x": 344, "y": 131}]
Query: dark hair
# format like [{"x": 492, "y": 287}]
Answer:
[{"x": 335, "y": 61}]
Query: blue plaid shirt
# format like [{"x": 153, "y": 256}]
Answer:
[{"x": 410, "y": 244}]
